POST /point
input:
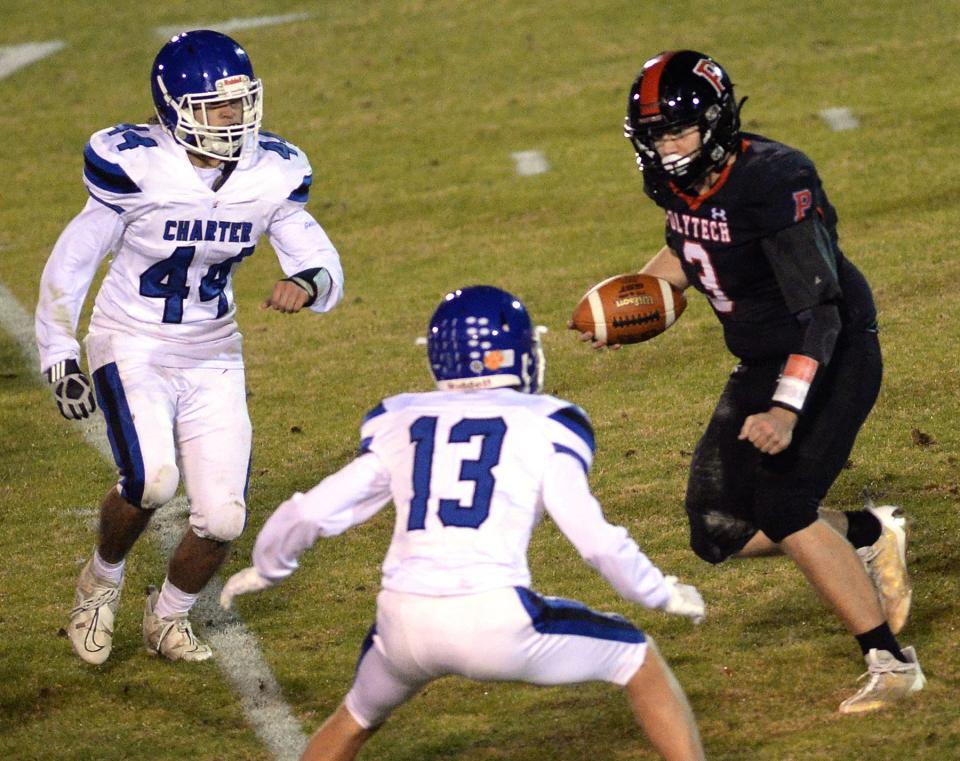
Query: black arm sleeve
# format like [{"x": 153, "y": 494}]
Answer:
[
  {"x": 804, "y": 263},
  {"x": 821, "y": 327}
]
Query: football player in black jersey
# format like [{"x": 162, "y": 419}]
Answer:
[{"x": 748, "y": 224}]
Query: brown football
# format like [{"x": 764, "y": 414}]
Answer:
[{"x": 628, "y": 309}]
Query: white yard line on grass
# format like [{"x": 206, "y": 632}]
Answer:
[
  {"x": 234, "y": 647},
  {"x": 13, "y": 57},
  {"x": 529, "y": 163},
  {"x": 839, "y": 119},
  {"x": 234, "y": 24}
]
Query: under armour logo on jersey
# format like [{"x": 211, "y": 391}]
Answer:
[{"x": 720, "y": 214}]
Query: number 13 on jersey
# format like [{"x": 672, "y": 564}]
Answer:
[{"x": 423, "y": 434}]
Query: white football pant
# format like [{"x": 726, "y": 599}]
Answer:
[
  {"x": 165, "y": 422},
  {"x": 508, "y": 634}
]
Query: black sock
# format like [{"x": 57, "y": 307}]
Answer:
[
  {"x": 863, "y": 528},
  {"x": 880, "y": 638}
]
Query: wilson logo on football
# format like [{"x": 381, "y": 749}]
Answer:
[{"x": 634, "y": 301}]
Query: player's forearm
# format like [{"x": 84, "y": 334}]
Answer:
[
  {"x": 286, "y": 535},
  {"x": 342, "y": 500},
  {"x": 822, "y": 325},
  {"x": 630, "y": 571},
  {"x": 66, "y": 280},
  {"x": 665, "y": 264},
  {"x": 607, "y": 548},
  {"x": 303, "y": 246}
]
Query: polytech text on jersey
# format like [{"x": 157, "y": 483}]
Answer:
[{"x": 714, "y": 230}]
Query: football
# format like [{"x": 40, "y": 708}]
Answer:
[{"x": 628, "y": 309}]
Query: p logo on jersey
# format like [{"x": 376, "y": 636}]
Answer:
[{"x": 802, "y": 202}]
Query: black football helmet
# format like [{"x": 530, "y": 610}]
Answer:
[{"x": 675, "y": 90}]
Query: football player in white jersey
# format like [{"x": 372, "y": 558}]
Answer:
[
  {"x": 470, "y": 469},
  {"x": 179, "y": 203}
]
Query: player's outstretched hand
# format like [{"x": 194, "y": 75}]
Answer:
[
  {"x": 241, "y": 583},
  {"x": 586, "y": 336},
  {"x": 685, "y": 600},
  {"x": 287, "y": 297},
  {"x": 71, "y": 390}
]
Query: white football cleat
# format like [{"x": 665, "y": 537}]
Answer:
[
  {"x": 890, "y": 680},
  {"x": 91, "y": 619},
  {"x": 172, "y": 637},
  {"x": 886, "y": 564}
]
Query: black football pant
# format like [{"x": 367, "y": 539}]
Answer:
[{"x": 734, "y": 490}]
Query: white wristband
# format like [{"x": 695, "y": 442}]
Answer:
[{"x": 795, "y": 381}]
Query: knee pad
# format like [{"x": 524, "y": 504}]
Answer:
[
  {"x": 157, "y": 488},
  {"x": 223, "y": 523}
]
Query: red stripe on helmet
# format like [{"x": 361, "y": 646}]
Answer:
[{"x": 650, "y": 84}]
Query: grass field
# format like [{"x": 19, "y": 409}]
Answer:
[{"x": 410, "y": 111}]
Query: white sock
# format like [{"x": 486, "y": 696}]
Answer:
[
  {"x": 173, "y": 601},
  {"x": 112, "y": 572}
]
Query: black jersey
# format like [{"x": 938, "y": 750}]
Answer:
[{"x": 761, "y": 244}]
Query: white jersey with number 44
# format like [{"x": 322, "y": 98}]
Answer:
[{"x": 175, "y": 242}]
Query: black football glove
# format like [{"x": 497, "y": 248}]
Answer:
[{"x": 71, "y": 390}]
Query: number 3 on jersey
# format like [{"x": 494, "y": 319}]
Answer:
[
  {"x": 698, "y": 255},
  {"x": 423, "y": 434}
]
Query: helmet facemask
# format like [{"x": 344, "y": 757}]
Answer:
[
  {"x": 687, "y": 171},
  {"x": 193, "y": 129},
  {"x": 533, "y": 365}
]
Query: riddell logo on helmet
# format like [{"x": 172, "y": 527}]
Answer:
[{"x": 232, "y": 83}]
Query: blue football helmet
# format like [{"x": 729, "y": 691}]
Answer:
[
  {"x": 198, "y": 70},
  {"x": 482, "y": 337}
]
